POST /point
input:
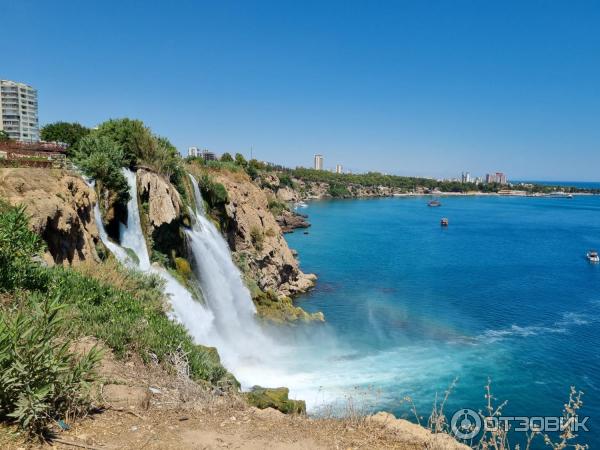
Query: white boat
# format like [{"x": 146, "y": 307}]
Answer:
[
  {"x": 300, "y": 205},
  {"x": 559, "y": 194},
  {"x": 592, "y": 256}
]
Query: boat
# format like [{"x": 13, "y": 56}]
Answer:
[
  {"x": 559, "y": 194},
  {"x": 444, "y": 222},
  {"x": 592, "y": 256},
  {"x": 300, "y": 205},
  {"x": 434, "y": 203}
]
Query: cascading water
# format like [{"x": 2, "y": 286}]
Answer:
[
  {"x": 130, "y": 234},
  {"x": 227, "y": 319}
]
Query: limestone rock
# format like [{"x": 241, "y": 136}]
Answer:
[
  {"x": 276, "y": 398},
  {"x": 123, "y": 396},
  {"x": 415, "y": 434},
  {"x": 289, "y": 221},
  {"x": 256, "y": 238},
  {"x": 164, "y": 202},
  {"x": 61, "y": 208}
]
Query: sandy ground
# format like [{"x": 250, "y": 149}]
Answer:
[{"x": 142, "y": 407}]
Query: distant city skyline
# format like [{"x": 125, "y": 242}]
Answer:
[{"x": 419, "y": 88}]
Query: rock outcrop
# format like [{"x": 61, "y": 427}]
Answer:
[
  {"x": 61, "y": 208},
  {"x": 256, "y": 239},
  {"x": 289, "y": 221},
  {"x": 163, "y": 200},
  {"x": 276, "y": 398}
]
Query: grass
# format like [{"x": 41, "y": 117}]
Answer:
[{"x": 40, "y": 379}]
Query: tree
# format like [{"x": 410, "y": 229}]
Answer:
[
  {"x": 102, "y": 159},
  {"x": 66, "y": 132},
  {"x": 132, "y": 136},
  {"x": 4, "y": 137},
  {"x": 240, "y": 160},
  {"x": 226, "y": 157}
]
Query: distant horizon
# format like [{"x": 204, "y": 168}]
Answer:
[{"x": 428, "y": 88}]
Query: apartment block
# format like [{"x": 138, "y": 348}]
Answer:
[{"x": 19, "y": 111}]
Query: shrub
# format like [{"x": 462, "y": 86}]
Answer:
[
  {"x": 257, "y": 237},
  {"x": 68, "y": 133},
  {"x": 286, "y": 180},
  {"x": 102, "y": 159},
  {"x": 18, "y": 244},
  {"x": 226, "y": 157},
  {"x": 277, "y": 207},
  {"x": 338, "y": 190},
  {"x": 40, "y": 378},
  {"x": 214, "y": 193}
]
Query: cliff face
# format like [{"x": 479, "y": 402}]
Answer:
[
  {"x": 163, "y": 200},
  {"x": 61, "y": 209},
  {"x": 256, "y": 239}
]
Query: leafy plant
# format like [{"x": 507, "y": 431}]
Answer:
[
  {"x": 18, "y": 244},
  {"x": 66, "y": 132},
  {"x": 40, "y": 378},
  {"x": 102, "y": 159}
]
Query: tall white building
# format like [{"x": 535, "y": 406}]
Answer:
[
  {"x": 19, "y": 111},
  {"x": 193, "y": 152},
  {"x": 339, "y": 168},
  {"x": 318, "y": 162}
]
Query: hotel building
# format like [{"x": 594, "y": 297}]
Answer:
[
  {"x": 19, "y": 111},
  {"x": 318, "y": 162}
]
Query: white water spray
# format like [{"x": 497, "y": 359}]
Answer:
[{"x": 312, "y": 370}]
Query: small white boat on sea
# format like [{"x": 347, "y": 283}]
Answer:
[
  {"x": 559, "y": 194},
  {"x": 592, "y": 256}
]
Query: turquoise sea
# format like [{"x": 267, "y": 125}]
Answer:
[{"x": 504, "y": 292}]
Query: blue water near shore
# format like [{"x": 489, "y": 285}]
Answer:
[{"x": 504, "y": 292}]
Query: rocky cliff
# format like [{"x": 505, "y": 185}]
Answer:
[
  {"x": 61, "y": 208},
  {"x": 256, "y": 238}
]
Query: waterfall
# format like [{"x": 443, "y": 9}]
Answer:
[
  {"x": 227, "y": 320},
  {"x": 243, "y": 341},
  {"x": 130, "y": 234}
]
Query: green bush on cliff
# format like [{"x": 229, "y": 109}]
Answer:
[
  {"x": 102, "y": 159},
  {"x": 338, "y": 190}
]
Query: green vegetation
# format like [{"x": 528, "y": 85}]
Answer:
[
  {"x": 41, "y": 380},
  {"x": 406, "y": 184},
  {"x": 213, "y": 193},
  {"x": 226, "y": 157},
  {"x": 275, "y": 398},
  {"x": 66, "y": 132},
  {"x": 101, "y": 159},
  {"x": 258, "y": 238},
  {"x": 338, "y": 190},
  {"x": 4, "y": 137},
  {"x": 276, "y": 207},
  {"x": 122, "y": 308}
]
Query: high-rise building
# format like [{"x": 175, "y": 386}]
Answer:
[
  {"x": 208, "y": 155},
  {"x": 465, "y": 177},
  {"x": 318, "y": 162},
  {"x": 19, "y": 111},
  {"x": 193, "y": 152},
  {"x": 497, "y": 177},
  {"x": 339, "y": 168}
]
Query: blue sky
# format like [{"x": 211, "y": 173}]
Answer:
[{"x": 426, "y": 88}]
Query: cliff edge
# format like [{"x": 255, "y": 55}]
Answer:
[{"x": 61, "y": 208}]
